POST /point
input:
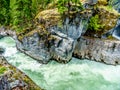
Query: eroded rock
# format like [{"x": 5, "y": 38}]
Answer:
[
  {"x": 106, "y": 51},
  {"x": 60, "y": 47},
  {"x": 13, "y": 79}
]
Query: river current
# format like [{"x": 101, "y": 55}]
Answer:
[{"x": 75, "y": 75}]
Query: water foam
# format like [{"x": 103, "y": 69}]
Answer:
[{"x": 75, "y": 75}]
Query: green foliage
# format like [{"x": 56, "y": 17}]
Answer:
[
  {"x": 19, "y": 14},
  {"x": 4, "y": 12},
  {"x": 2, "y": 70},
  {"x": 62, "y": 5},
  {"x": 41, "y": 4},
  {"x": 67, "y": 5},
  {"x": 94, "y": 23},
  {"x": 22, "y": 13}
]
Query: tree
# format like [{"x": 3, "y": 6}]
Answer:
[
  {"x": 4, "y": 12},
  {"x": 22, "y": 13}
]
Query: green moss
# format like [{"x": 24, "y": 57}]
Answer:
[
  {"x": 94, "y": 23},
  {"x": 110, "y": 37},
  {"x": 109, "y": 9},
  {"x": 66, "y": 5},
  {"x": 102, "y": 2},
  {"x": 2, "y": 69}
]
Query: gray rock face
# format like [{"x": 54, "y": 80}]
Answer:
[
  {"x": 115, "y": 4},
  {"x": 4, "y": 32},
  {"x": 18, "y": 83},
  {"x": 34, "y": 47},
  {"x": 61, "y": 48},
  {"x": 116, "y": 32},
  {"x": 73, "y": 28},
  {"x": 106, "y": 51},
  {"x": 4, "y": 84},
  {"x": 13, "y": 79},
  {"x": 7, "y": 85}
]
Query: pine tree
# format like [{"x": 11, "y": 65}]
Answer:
[
  {"x": 4, "y": 12},
  {"x": 22, "y": 13}
]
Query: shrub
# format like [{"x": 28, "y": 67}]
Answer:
[{"x": 94, "y": 23}]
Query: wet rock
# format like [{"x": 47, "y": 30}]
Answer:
[
  {"x": 6, "y": 32},
  {"x": 13, "y": 79},
  {"x": 74, "y": 27},
  {"x": 60, "y": 47},
  {"x": 106, "y": 51},
  {"x": 116, "y": 32},
  {"x": 115, "y": 4},
  {"x": 18, "y": 84},
  {"x": 2, "y": 50},
  {"x": 4, "y": 84}
]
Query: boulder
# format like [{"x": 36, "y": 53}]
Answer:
[
  {"x": 106, "y": 51},
  {"x": 13, "y": 79},
  {"x": 59, "y": 47},
  {"x": 106, "y": 19}
]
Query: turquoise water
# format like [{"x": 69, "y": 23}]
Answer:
[{"x": 76, "y": 75}]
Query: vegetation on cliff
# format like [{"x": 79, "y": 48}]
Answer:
[{"x": 22, "y": 15}]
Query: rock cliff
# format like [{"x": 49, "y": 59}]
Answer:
[
  {"x": 57, "y": 37},
  {"x": 106, "y": 51}
]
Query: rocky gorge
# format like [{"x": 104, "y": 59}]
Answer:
[{"x": 53, "y": 37}]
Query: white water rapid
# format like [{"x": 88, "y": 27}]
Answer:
[{"x": 76, "y": 75}]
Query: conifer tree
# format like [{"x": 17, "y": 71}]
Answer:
[
  {"x": 4, "y": 12},
  {"x": 22, "y": 12}
]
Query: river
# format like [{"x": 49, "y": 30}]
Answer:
[{"x": 75, "y": 75}]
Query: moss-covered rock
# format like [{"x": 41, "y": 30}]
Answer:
[
  {"x": 107, "y": 19},
  {"x": 102, "y": 2},
  {"x": 49, "y": 17},
  {"x": 11, "y": 78}
]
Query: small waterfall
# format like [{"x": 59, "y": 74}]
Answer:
[{"x": 75, "y": 75}]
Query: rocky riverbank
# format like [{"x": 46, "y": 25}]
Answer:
[
  {"x": 13, "y": 79},
  {"x": 101, "y": 50}
]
